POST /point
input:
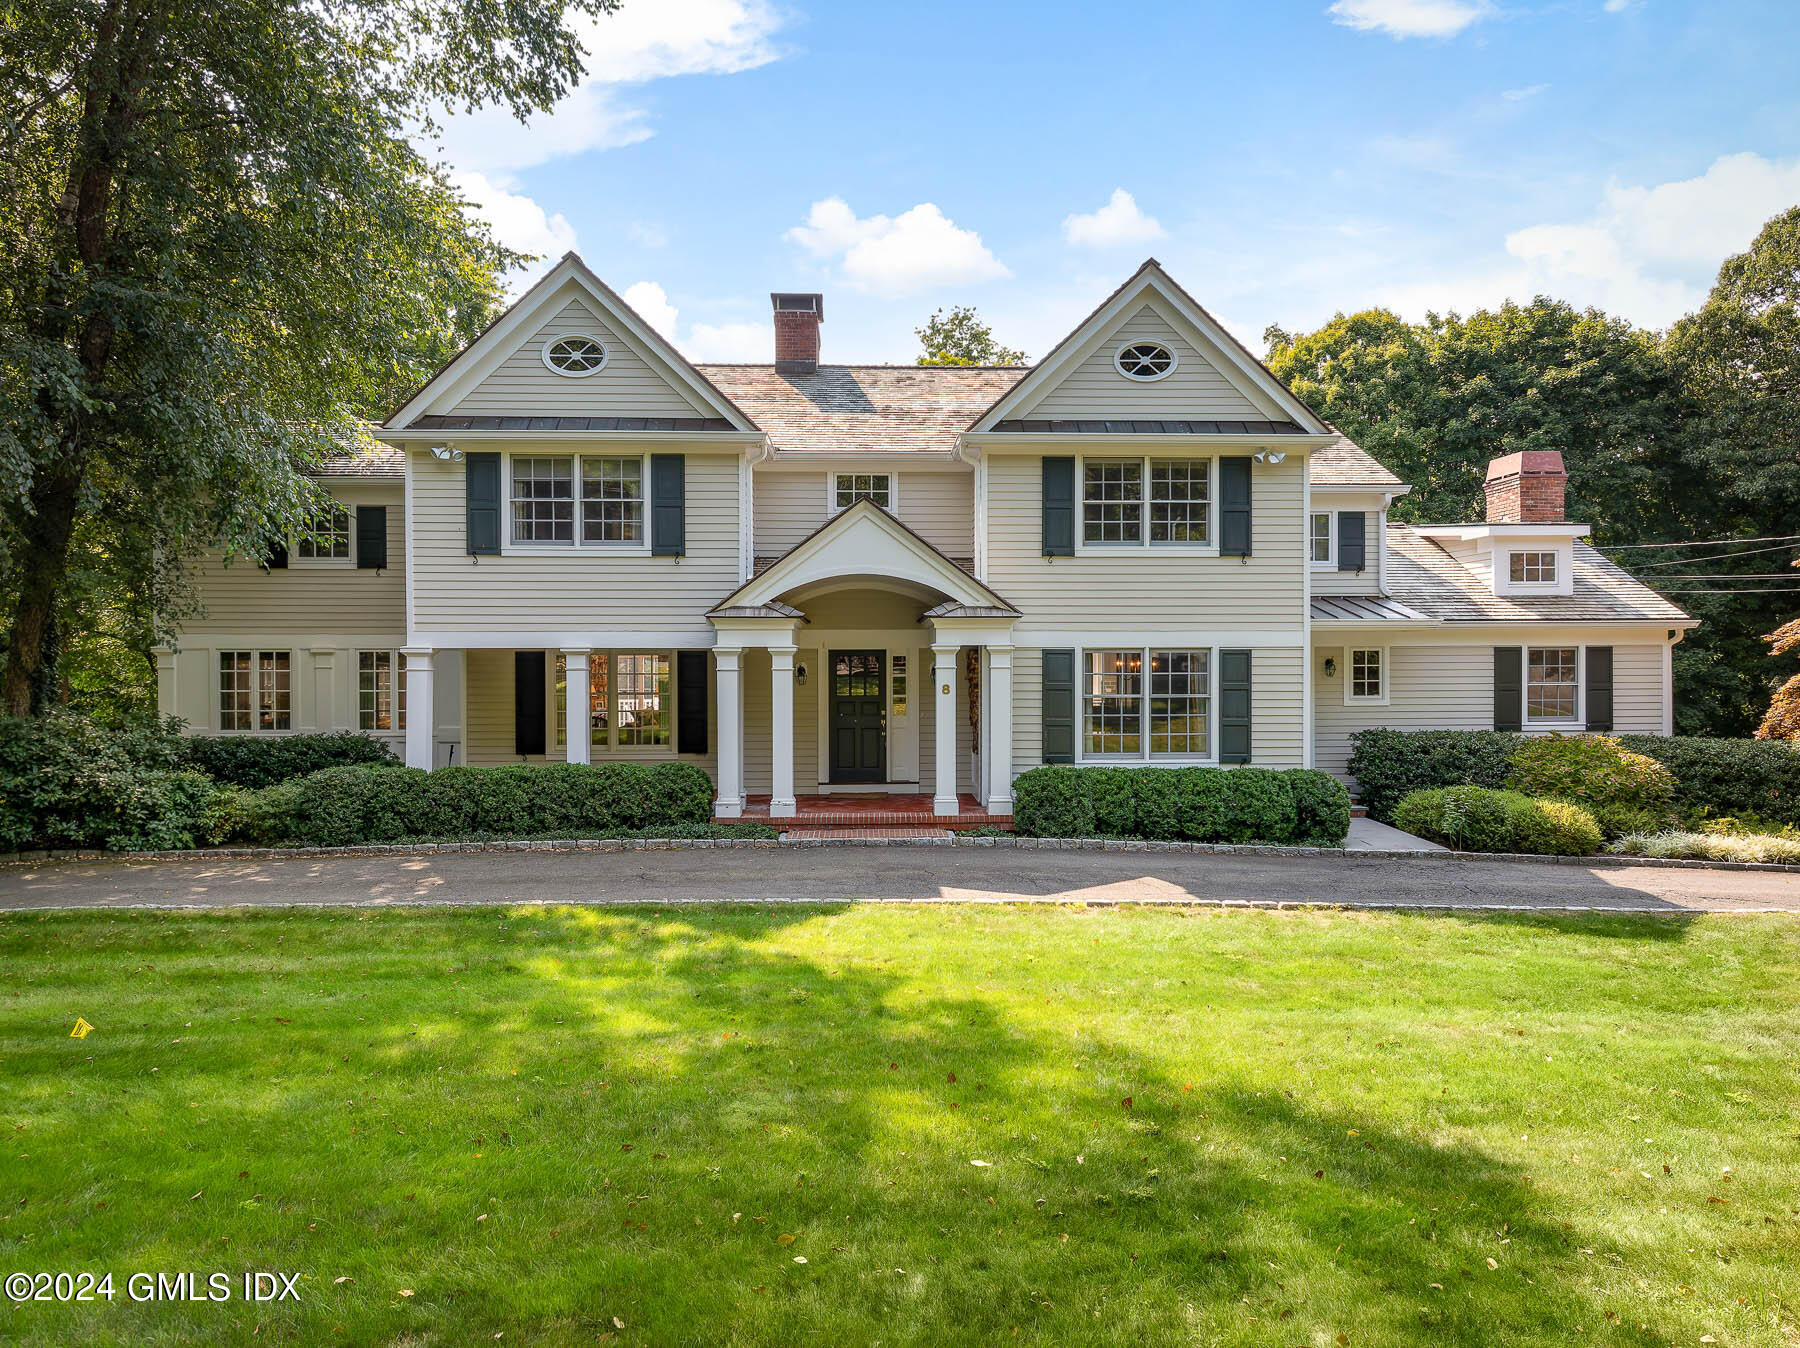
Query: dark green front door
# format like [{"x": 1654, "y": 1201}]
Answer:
[{"x": 858, "y": 716}]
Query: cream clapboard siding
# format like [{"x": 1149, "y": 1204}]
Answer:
[
  {"x": 628, "y": 387},
  {"x": 1277, "y": 707},
  {"x": 1637, "y": 689},
  {"x": 1028, "y": 709},
  {"x": 1442, "y": 687},
  {"x": 758, "y": 723},
  {"x": 1095, "y": 388},
  {"x": 1332, "y": 581},
  {"x": 569, "y": 589},
  {"x": 939, "y": 506},
  {"x": 1146, "y": 587}
]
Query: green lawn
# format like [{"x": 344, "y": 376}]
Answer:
[{"x": 763, "y": 1125}]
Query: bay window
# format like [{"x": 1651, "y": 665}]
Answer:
[
  {"x": 1169, "y": 715},
  {"x": 1173, "y": 496}
]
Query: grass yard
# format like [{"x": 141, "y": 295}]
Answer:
[{"x": 908, "y": 1124}]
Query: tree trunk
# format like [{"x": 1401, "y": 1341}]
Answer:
[{"x": 43, "y": 562}]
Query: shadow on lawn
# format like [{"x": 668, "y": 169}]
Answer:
[{"x": 646, "y": 1101}]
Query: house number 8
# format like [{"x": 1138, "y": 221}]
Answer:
[{"x": 945, "y": 689}]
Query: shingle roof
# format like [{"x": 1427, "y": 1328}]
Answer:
[
  {"x": 1343, "y": 463},
  {"x": 382, "y": 462},
  {"x": 848, "y": 409},
  {"x": 1423, "y": 576}
]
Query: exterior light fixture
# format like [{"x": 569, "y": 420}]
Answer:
[
  {"x": 800, "y": 673},
  {"x": 1330, "y": 667}
]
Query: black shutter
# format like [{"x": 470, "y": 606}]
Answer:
[
  {"x": 1059, "y": 706},
  {"x": 1599, "y": 688},
  {"x": 1234, "y": 506},
  {"x": 528, "y": 702},
  {"x": 1234, "y": 706},
  {"x": 668, "y": 505},
  {"x": 371, "y": 538},
  {"x": 275, "y": 556},
  {"x": 690, "y": 702},
  {"x": 481, "y": 525},
  {"x": 1059, "y": 508},
  {"x": 1352, "y": 551},
  {"x": 1509, "y": 688}
]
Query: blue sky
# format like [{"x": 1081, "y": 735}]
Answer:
[{"x": 1286, "y": 160}]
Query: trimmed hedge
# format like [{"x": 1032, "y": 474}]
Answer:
[
  {"x": 1390, "y": 764},
  {"x": 1215, "y": 805},
  {"x": 1591, "y": 769},
  {"x": 363, "y": 804},
  {"x": 1479, "y": 819},
  {"x": 252, "y": 762}
]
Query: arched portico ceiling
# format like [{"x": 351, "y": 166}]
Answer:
[{"x": 861, "y": 547}]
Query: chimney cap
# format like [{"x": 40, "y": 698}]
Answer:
[
  {"x": 1527, "y": 462},
  {"x": 798, "y": 301}
]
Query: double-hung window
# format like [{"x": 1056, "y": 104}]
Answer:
[
  {"x": 849, "y": 488},
  {"x": 255, "y": 690},
  {"x": 326, "y": 536},
  {"x": 612, "y": 500},
  {"x": 1367, "y": 681},
  {"x": 1147, "y": 703},
  {"x": 1320, "y": 538},
  {"x": 599, "y": 701},
  {"x": 643, "y": 698},
  {"x": 543, "y": 500},
  {"x": 380, "y": 690},
  {"x": 1134, "y": 502},
  {"x": 1552, "y": 683},
  {"x": 605, "y": 493}
]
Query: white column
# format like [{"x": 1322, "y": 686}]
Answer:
[
  {"x": 421, "y": 716},
  {"x": 730, "y": 699},
  {"x": 781, "y": 731},
  {"x": 943, "y": 682},
  {"x": 577, "y": 732},
  {"x": 997, "y": 761}
]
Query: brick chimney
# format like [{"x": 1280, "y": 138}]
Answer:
[
  {"x": 1526, "y": 488},
  {"x": 797, "y": 319}
]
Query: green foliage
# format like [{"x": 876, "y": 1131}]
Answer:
[
  {"x": 1388, "y": 764},
  {"x": 378, "y": 804},
  {"x": 1213, "y": 805},
  {"x": 1618, "y": 821},
  {"x": 1738, "y": 777},
  {"x": 961, "y": 338},
  {"x": 255, "y": 761},
  {"x": 1479, "y": 819},
  {"x": 1686, "y": 846},
  {"x": 1591, "y": 769}
]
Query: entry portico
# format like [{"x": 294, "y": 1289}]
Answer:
[{"x": 856, "y": 594}]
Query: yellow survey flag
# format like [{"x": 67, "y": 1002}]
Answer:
[{"x": 82, "y": 1029}]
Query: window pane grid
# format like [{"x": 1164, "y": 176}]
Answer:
[
  {"x": 853, "y": 487},
  {"x": 1112, "y": 500},
  {"x": 543, "y": 501},
  {"x": 1115, "y": 702},
  {"x": 326, "y": 535},
  {"x": 1178, "y": 499},
  {"x": 612, "y": 500},
  {"x": 273, "y": 708},
  {"x": 1533, "y": 568},
  {"x": 1321, "y": 538},
  {"x": 374, "y": 690},
  {"x": 234, "y": 690},
  {"x": 1365, "y": 673},
  {"x": 1180, "y": 702},
  {"x": 643, "y": 699},
  {"x": 1550, "y": 683}
]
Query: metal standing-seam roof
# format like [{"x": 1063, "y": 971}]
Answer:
[{"x": 1357, "y": 608}]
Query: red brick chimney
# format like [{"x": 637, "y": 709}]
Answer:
[
  {"x": 797, "y": 319},
  {"x": 1526, "y": 488}
]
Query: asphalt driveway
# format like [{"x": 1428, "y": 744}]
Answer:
[{"x": 930, "y": 874}]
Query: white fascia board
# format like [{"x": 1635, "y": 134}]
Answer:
[
  {"x": 1471, "y": 532},
  {"x": 1036, "y": 442},
  {"x": 667, "y": 439}
]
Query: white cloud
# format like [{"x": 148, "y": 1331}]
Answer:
[
  {"x": 1116, "y": 224},
  {"x": 518, "y": 222},
  {"x": 652, "y": 305},
  {"x": 1410, "y": 18},
  {"x": 1617, "y": 6},
  {"x": 894, "y": 256},
  {"x": 728, "y": 342},
  {"x": 647, "y": 235},
  {"x": 1520, "y": 95}
]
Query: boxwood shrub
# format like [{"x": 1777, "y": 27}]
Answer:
[
  {"x": 253, "y": 762},
  {"x": 1215, "y": 805},
  {"x": 1389, "y": 764},
  {"x": 1729, "y": 777}
]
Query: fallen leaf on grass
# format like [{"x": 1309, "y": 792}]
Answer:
[
  {"x": 799, "y": 1259},
  {"x": 406, "y": 1291},
  {"x": 785, "y": 1239},
  {"x": 980, "y": 1162},
  {"x": 1492, "y": 1264}
]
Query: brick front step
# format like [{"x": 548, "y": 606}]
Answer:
[
  {"x": 884, "y": 812},
  {"x": 823, "y": 834}
]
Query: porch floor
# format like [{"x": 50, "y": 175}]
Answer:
[{"x": 884, "y": 812}]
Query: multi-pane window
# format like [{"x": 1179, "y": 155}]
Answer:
[
  {"x": 643, "y": 698},
  {"x": 327, "y": 535},
  {"x": 1533, "y": 568},
  {"x": 1550, "y": 683},
  {"x": 1180, "y": 702},
  {"x": 849, "y": 488},
  {"x": 543, "y": 500},
  {"x": 235, "y": 680},
  {"x": 1321, "y": 536},
  {"x": 1367, "y": 675},
  {"x": 612, "y": 500},
  {"x": 1112, "y": 500},
  {"x": 1115, "y": 702},
  {"x": 255, "y": 690},
  {"x": 274, "y": 709},
  {"x": 599, "y": 701},
  {"x": 374, "y": 690},
  {"x": 897, "y": 686},
  {"x": 1178, "y": 500}
]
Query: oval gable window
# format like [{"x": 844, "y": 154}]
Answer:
[
  {"x": 1145, "y": 361},
  {"x": 576, "y": 355}
]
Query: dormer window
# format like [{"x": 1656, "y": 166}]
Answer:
[
  {"x": 849, "y": 488},
  {"x": 1145, "y": 362},
  {"x": 1532, "y": 568},
  {"x": 575, "y": 356}
]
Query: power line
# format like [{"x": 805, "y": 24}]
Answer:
[
  {"x": 1728, "y": 575},
  {"x": 1795, "y": 589},
  {"x": 1716, "y": 557},
  {"x": 1697, "y": 543}
]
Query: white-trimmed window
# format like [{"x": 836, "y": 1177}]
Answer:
[
  {"x": 543, "y": 500},
  {"x": 1552, "y": 683},
  {"x": 576, "y": 355},
  {"x": 1322, "y": 537},
  {"x": 1128, "y": 716},
  {"x": 1366, "y": 679},
  {"x": 849, "y": 488},
  {"x": 1118, "y": 494},
  {"x": 644, "y": 703},
  {"x": 255, "y": 690},
  {"x": 1145, "y": 362},
  {"x": 326, "y": 536},
  {"x": 1532, "y": 568},
  {"x": 599, "y": 701},
  {"x": 612, "y": 500},
  {"x": 380, "y": 690}
]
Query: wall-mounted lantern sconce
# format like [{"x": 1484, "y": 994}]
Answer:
[
  {"x": 800, "y": 673},
  {"x": 1330, "y": 667}
]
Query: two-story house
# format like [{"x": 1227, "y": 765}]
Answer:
[{"x": 814, "y": 578}]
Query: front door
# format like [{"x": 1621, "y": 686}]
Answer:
[{"x": 858, "y": 716}]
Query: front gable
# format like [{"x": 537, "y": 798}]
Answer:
[
  {"x": 1213, "y": 378},
  {"x": 503, "y": 373}
]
